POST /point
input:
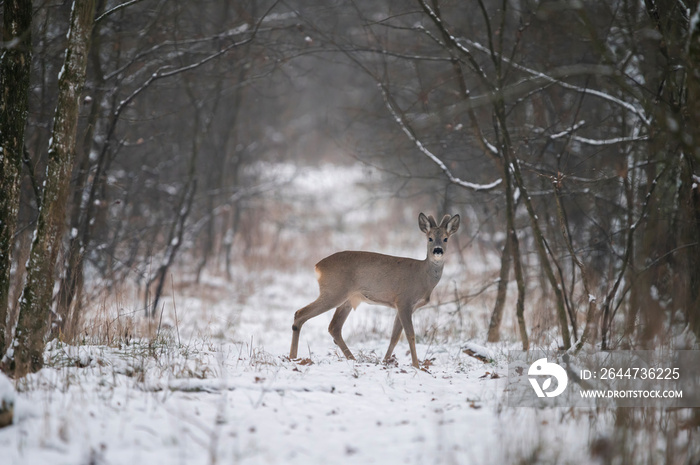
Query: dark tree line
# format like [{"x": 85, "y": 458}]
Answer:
[
  {"x": 121, "y": 119},
  {"x": 135, "y": 132}
]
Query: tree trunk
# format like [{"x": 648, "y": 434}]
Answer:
[
  {"x": 175, "y": 237},
  {"x": 634, "y": 301},
  {"x": 177, "y": 229},
  {"x": 542, "y": 254},
  {"x": 585, "y": 279},
  {"x": 70, "y": 289},
  {"x": 689, "y": 200},
  {"x": 515, "y": 254},
  {"x": 14, "y": 85},
  {"x": 35, "y": 303},
  {"x": 501, "y": 293},
  {"x": 520, "y": 281}
]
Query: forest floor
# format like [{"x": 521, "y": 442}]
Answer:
[
  {"x": 215, "y": 386},
  {"x": 208, "y": 380}
]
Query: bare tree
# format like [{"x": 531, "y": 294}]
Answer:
[
  {"x": 575, "y": 122},
  {"x": 571, "y": 146},
  {"x": 14, "y": 84},
  {"x": 36, "y": 300}
]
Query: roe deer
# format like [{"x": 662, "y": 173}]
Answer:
[{"x": 347, "y": 278}]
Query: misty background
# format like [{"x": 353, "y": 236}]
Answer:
[{"x": 563, "y": 132}]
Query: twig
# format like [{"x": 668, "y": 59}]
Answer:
[
  {"x": 607, "y": 315},
  {"x": 177, "y": 325},
  {"x": 161, "y": 320},
  {"x": 115, "y": 9}
]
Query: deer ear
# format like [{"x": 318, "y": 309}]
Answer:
[
  {"x": 423, "y": 223},
  {"x": 452, "y": 225}
]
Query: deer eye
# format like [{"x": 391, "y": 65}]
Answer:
[
  {"x": 444, "y": 240},
  {"x": 430, "y": 239}
]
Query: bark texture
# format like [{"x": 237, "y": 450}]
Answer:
[
  {"x": 14, "y": 84},
  {"x": 36, "y": 300}
]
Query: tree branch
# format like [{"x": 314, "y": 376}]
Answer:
[{"x": 391, "y": 106}]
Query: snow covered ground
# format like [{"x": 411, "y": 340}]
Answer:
[
  {"x": 210, "y": 383},
  {"x": 238, "y": 399}
]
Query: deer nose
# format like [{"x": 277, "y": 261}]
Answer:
[{"x": 438, "y": 251}]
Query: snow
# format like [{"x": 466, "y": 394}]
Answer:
[
  {"x": 7, "y": 392},
  {"x": 7, "y": 401},
  {"x": 481, "y": 350},
  {"x": 245, "y": 402},
  {"x": 568, "y": 131},
  {"x": 693, "y": 24},
  {"x": 210, "y": 382},
  {"x": 236, "y": 398}
]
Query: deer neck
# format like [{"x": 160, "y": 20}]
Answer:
[{"x": 433, "y": 270}]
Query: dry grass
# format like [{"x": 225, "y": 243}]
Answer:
[{"x": 459, "y": 310}]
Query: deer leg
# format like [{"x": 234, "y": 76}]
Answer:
[
  {"x": 336, "y": 328},
  {"x": 395, "y": 335},
  {"x": 404, "y": 315},
  {"x": 315, "y": 308}
]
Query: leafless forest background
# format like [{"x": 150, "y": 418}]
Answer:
[{"x": 564, "y": 132}]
